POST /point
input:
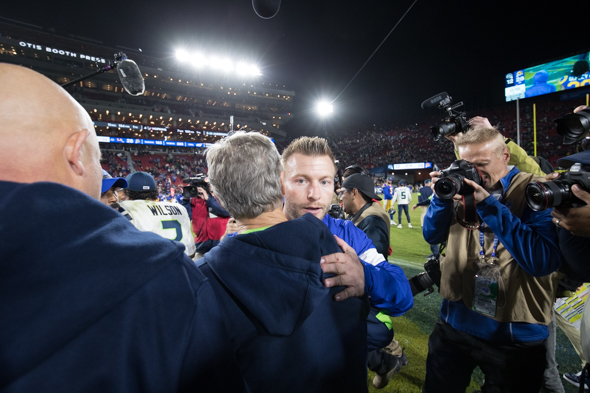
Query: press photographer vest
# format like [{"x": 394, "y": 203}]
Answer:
[{"x": 522, "y": 297}]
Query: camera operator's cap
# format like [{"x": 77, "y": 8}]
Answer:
[
  {"x": 108, "y": 181},
  {"x": 141, "y": 181},
  {"x": 362, "y": 183},
  {"x": 582, "y": 157}
]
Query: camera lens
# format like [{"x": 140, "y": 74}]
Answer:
[
  {"x": 541, "y": 196},
  {"x": 446, "y": 188},
  {"x": 574, "y": 126},
  {"x": 537, "y": 196}
]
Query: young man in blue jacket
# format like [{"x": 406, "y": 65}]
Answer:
[
  {"x": 496, "y": 278},
  {"x": 308, "y": 186}
]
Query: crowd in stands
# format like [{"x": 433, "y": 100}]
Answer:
[
  {"x": 168, "y": 169},
  {"x": 414, "y": 143},
  {"x": 368, "y": 148}
]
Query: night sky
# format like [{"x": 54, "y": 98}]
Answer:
[{"x": 317, "y": 46}]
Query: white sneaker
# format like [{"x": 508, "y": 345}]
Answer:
[
  {"x": 409, "y": 225},
  {"x": 399, "y": 226},
  {"x": 393, "y": 222}
]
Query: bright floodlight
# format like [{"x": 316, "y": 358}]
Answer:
[
  {"x": 242, "y": 68},
  {"x": 255, "y": 71},
  {"x": 198, "y": 60},
  {"x": 324, "y": 108},
  {"x": 226, "y": 65},
  {"x": 181, "y": 55}
]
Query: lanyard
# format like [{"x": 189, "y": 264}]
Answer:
[{"x": 482, "y": 254}]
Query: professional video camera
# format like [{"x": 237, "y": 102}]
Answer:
[
  {"x": 197, "y": 181},
  {"x": 451, "y": 181},
  {"x": 336, "y": 211},
  {"x": 425, "y": 280},
  {"x": 455, "y": 121},
  {"x": 541, "y": 196}
]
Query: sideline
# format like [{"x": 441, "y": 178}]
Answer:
[{"x": 403, "y": 262}]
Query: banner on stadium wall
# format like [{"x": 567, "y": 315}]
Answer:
[
  {"x": 411, "y": 165},
  {"x": 151, "y": 142}
]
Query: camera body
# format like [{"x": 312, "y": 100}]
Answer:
[
  {"x": 541, "y": 196},
  {"x": 425, "y": 280},
  {"x": 451, "y": 181},
  {"x": 197, "y": 181},
  {"x": 336, "y": 211},
  {"x": 456, "y": 121}
]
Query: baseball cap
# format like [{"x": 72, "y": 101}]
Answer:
[
  {"x": 582, "y": 157},
  {"x": 141, "y": 181},
  {"x": 108, "y": 181},
  {"x": 362, "y": 183},
  {"x": 402, "y": 182}
]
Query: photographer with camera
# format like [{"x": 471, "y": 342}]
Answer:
[
  {"x": 496, "y": 276},
  {"x": 209, "y": 219}
]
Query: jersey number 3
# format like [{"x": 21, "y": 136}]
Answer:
[{"x": 173, "y": 224}]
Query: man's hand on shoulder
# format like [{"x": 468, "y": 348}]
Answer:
[{"x": 348, "y": 269}]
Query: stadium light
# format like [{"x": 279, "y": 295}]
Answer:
[
  {"x": 181, "y": 55},
  {"x": 217, "y": 63},
  {"x": 324, "y": 108}
]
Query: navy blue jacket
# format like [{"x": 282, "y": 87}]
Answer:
[
  {"x": 424, "y": 195},
  {"x": 90, "y": 304},
  {"x": 284, "y": 322}
]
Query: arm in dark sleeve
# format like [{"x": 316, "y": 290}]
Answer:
[
  {"x": 187, "y": 204},
  {"x": 424, "y": 196},
  {"x": 437, "y": 220},
  {"x": 376, "y": 230},
  {"x": 388, "y": 288},
  {"x": 532, "y": 241},
  {"x": 216, "y": 207},
  {"x": 575, "y": 250}
]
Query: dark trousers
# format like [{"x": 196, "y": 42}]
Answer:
[
  {"x": 378, "y": 336},
  {"x": 403, "y": 208},
  {"x": 508, "y": 367}
]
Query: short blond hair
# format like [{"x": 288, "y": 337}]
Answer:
[
  {"x": 308, "y": 146},
  {"x": 481, "y": 135}
]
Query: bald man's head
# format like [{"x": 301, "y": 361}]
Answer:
[{"x": 46, "y": 135}]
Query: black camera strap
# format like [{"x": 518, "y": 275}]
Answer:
[{"x": 470, "y": 218}]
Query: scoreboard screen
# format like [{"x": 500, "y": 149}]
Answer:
[{"x": 548, "y": 78}]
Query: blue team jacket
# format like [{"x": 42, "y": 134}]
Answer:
[
  {"x": 386, "y": 284},
  {"x": 532, "y": 242}
]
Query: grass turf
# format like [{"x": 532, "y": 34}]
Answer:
[{"x": 412, "y": 329}]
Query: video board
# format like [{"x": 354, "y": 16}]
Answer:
[{"x": 548, "y": 78}]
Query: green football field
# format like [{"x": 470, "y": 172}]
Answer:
[{"x": 412, "y": 329}]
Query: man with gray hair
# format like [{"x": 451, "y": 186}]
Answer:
[{"x": 288, "y": 333}]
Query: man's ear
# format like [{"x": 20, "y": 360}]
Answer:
[
  {"x": 506, "y": 155},
  {"x": 73, "y": 151},
  {"x": 283, "y": 182}
]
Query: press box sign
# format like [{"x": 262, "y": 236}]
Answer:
[{"x": 61, "y": 52}]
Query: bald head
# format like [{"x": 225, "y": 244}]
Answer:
[{"x": 46, "y": 135}]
